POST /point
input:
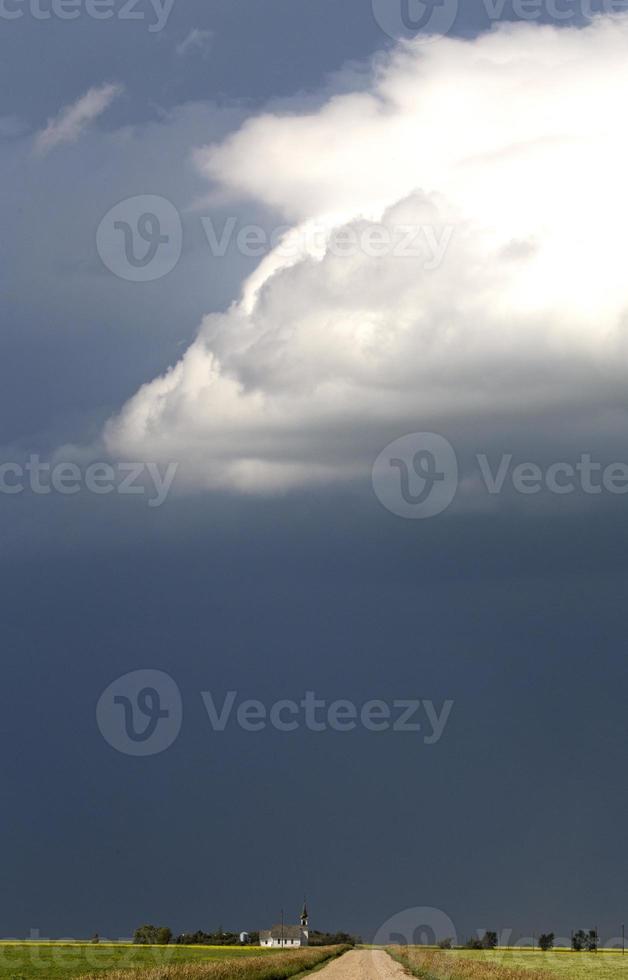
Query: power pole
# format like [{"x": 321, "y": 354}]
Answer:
[{"x": 282, "y": 928}]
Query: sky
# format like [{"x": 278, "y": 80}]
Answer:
[{"x": 312, "y": 380}]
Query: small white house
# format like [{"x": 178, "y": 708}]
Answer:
[{"x": 286, "y": 935}]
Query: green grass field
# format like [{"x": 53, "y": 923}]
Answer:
[
  {"x": 53, "y": 961},
  {"x": 575, "y": 966},
  {"x": 512, "y": 964}
]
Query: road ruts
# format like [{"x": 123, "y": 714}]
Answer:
[{"x": 363, "y": 964}]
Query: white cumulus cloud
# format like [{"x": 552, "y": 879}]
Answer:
[
  {"x": 68, "y": 125},
  {"x": 492, "y": 172}
]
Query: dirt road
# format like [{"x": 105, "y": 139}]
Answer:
[{"x": 363, "y": 964}]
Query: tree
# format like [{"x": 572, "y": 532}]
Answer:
[
  {"x": 592, "y": 942},
  {"x": 546, "y": 941},
  {"x": 489, "y": 940},
  {"x": 152, "y": 935},
  {"x": 331, "y": 938},
  {"x": 474, "y": 943},
  {"x": 579, "y": 941},
  {"x": 445, "y": 943},
  {"x": 218, "y": 938}
]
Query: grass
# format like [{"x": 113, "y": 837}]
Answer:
[
  {"x": 58, "y": 961},
  {"x": 511, "y": 964},
  {"x": 568, "y": 965},
  {"x": 265, "y": 966}
]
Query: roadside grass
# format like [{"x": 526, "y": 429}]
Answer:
[
  {"x": 266, "y": 966},
  {"x": 61, "y": 960},
  {"x": 510, "y": 964},
  {"x": 438, "y": 965},
  {"x": 603, "y": 965}
]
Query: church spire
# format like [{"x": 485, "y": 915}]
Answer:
[{"x": 304, "y": 914}]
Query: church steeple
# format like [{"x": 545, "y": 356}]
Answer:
[{"x": 304, "y": 915}]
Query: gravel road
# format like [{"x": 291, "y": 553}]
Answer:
[{"x": 363, "y": 964}]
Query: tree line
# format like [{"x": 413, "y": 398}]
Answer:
[
  {"x": 149, "y": 935},
  {"x": 581, "y": 940},
  {"x": 333, "y": 939}
]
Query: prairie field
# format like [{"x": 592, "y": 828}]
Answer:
[
  {"x": 511, "y": 964},
  {"x": 565, "y": 964},
  {"x": 57, "y": 961}
]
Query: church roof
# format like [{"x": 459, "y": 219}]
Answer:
[{"x": 288, "y": 932}]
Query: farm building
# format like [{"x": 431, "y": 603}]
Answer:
[{"x": 287, "y": 935}]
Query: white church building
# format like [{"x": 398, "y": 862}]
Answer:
[{"x": 287, "y": 935}]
